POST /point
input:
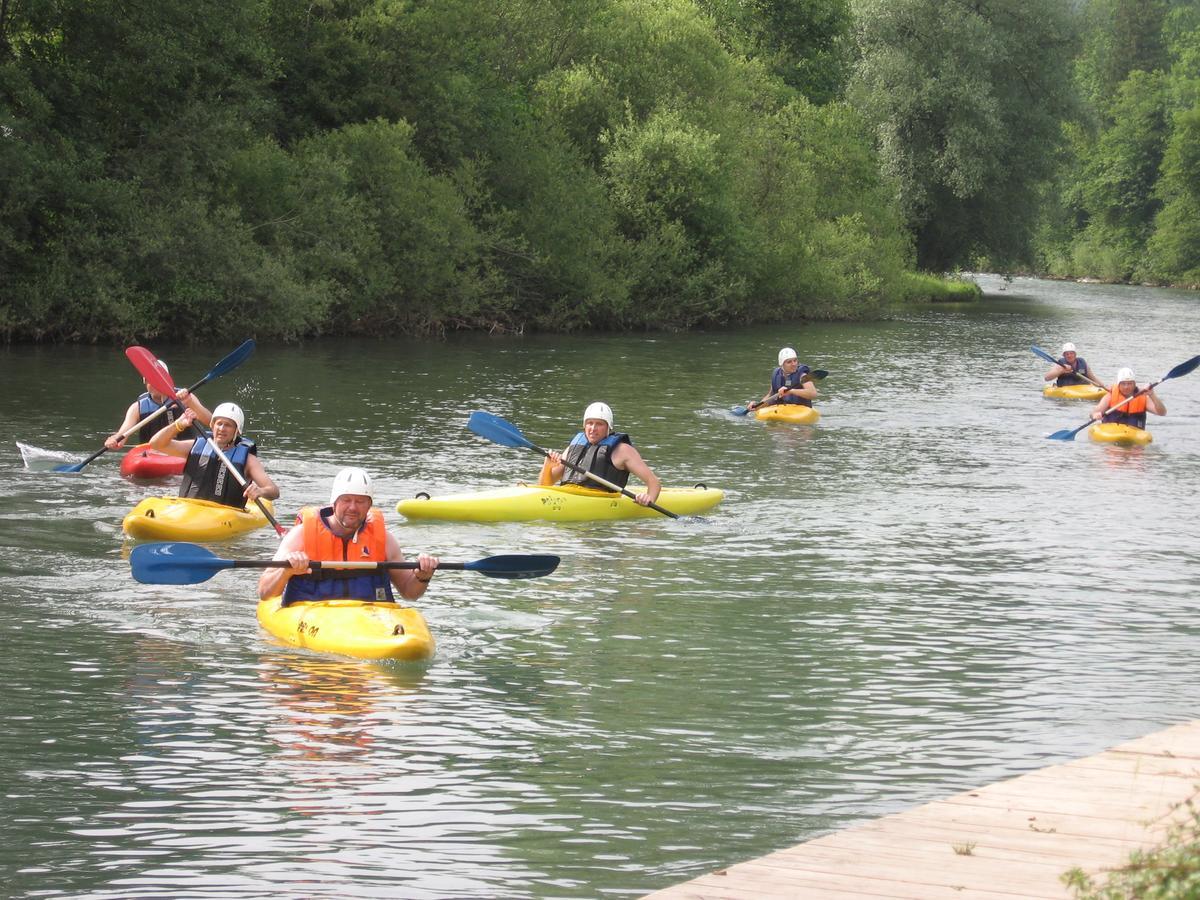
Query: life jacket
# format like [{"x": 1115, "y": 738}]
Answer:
[
  {"x": 367, "y": 544},
  {"x": 594, "y": 458},
  {"x": 206, "y": 478},
  {"x": 1069, "y": 378},
  {"x": 1132, "y": 413},
  {"x": 795, "y": 380},
  {"x": 147, "y": 405}
]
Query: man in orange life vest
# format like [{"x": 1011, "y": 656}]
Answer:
[
  {"x": 1132, "y": 413},
  {"x": 348, "y": 529}
]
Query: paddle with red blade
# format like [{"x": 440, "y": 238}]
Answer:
[
  {"x": 229, "y": 363},
  {"x": 147, "y": 364},
  {"x": 182, "y": 563}
]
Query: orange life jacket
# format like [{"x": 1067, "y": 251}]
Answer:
[
  {"x": 1134, "y": 407},
  {"x": 369, "y": 543}
]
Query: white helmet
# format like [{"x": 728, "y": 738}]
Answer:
[
  {"x": 1068, "y": 347},
  {"x": 599, "y": 410},
  {"x": 785, "y": 354},
  {"x": 351, "y": 481},
  {"x": 162, "y": 365},
  {"x": 1125, "y": 374},
  {"x": 233, "y": 412}
]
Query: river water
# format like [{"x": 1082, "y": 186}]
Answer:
[{"x": 918, "y": 595}]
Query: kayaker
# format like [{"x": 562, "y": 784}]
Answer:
[
  {"x": 150, "y": 402},
  {"x": 349, "y": 528},
  {"x": 599, "y": 450},
  {"x": 204, "y": 475},
  {"x": 1132, "y": 413},
  {"x": 789, "y": 383},
  {"x": 1072, "y": 369}
]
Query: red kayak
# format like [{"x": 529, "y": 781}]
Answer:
[{"x": 144, "y": 462}]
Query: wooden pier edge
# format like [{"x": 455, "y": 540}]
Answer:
[{"x": 1011, "y": 839}]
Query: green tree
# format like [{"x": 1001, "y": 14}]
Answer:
[{"x": 966, "y": 101}]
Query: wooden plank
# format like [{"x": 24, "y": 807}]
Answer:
[{"x": 1022, "y": 834}]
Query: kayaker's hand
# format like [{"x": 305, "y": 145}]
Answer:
[
  {"x": 643, "y": 499},
  {"x": 427, "y": 566},
  {"x": 114, "y": 441},
  {"x": 555, "y": 457},
  {"x": 298, "y": 560},
  {"x": 252, "y": 491},
  {"x": 188, "y": 417}
]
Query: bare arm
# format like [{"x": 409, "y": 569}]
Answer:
[
  {"x": 411, "y": 583},
  {"x": 272, "y": 581},
  {"x": 627, "y": 457},
  {"x": 164, "y": 438},
  {"x": 258, "y": 482},
  {"x": 132, "y": 417},
  {"x": 1155, "y": 405}
]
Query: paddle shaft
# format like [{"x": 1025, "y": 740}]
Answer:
[
  {"x": 146, "y": 364},
  {"x": 602, "y": 481},
  {"x": 317, "y": 565}
]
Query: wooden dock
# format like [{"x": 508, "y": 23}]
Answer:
[{"x": 1008, "y": 840}]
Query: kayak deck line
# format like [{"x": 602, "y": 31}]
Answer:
[{"x": 1014, "y": 838}]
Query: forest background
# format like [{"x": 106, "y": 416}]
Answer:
[{"x": 182, "y": 168}]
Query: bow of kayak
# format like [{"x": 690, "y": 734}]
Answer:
[
  {"x": 555, "y": 503},
  {"x": 359, "y": 628},
  {"x": 1073, "y": 392},
  {"x": 143, "y": 461},
  {"x": 796, "y": 413},
  {"x": 185, "y": 519},
  {"x": 1125, "y": 435}
]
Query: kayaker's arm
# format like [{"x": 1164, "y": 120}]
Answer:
[
  {"x": 627, "y": 457},
  {"x": 552, "y": 469},
  {"x": 259, "y": 485},
  {"x": 132, "y": 417},
  {"x": 272, "y": 581},
  {"x": 164, "y": 438},
  {"x": 1155, "y": 405},
  {"x": 191, "y": 401},
  {"x": 411, "y": 583}
]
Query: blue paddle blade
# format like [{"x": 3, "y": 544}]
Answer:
[
  {"x": 1183, "y": 368},
  {"x": 175, "y": 563},
  {"x": 739, "y": 410},
  {"x": 232, "y": 361},
  {"x": 514, "y": 566},
  {"x": 1064, "y": 435},
  {"x": 77, "y": 467},
  {"x": 1038, "y": 351},
  {"x": 498, "y": 430}
]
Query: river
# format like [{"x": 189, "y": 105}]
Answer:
[{"x": 917, "y": 595}]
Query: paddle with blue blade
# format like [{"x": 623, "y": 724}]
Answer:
[
  {"x": 181, "y": 563},
  {"x": 1183, "y": 368},
  {"x": 147, "y": 364},
  {"x": 1038, "y": 351},
  {"x": 229, "y": 363},
  {"x": 814, "y": 375},
  {"x": 506, "y": 434}
]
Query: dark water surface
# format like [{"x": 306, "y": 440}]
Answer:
[{"x": 918, "y": 595}]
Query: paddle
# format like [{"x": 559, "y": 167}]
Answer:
[
  {"x": 180, "y": 563},
  {"x": 146, "y": 363},
  {"x": 506, "y": 434},
  {"x": 1182, "y": 369},
  {"x": 230, "y": 362},
  {"x": 814, "y": 375},
  {"x": 1038, "y": 351}
]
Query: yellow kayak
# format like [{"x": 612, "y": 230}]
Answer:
[
  {"x": 1073, "y": 392},
  {"x": 556, "y": 503},
  {"x": 184, "y": 519},
  {"x": 363, "y": 629},
  {"x": 1127, "y": 435},
  {"x": 788, "y": 412}
]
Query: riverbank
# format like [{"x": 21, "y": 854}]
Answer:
[{"x": 1015, "y": 838}]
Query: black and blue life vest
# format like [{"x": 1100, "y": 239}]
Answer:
[
  {"x": 148, "y": 405},
  {"x": 206, "y": 478},
  {"x": 594, "y": 458},
  {"x": 795, "y": 380},
  {"x": 1070, "y": 377}
]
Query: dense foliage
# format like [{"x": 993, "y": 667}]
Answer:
[
  {"x": 1126, "y": 204},
  {"x": 199, "y": 168}
]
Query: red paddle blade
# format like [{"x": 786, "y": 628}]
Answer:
[{"x": 150, "y": 369}]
